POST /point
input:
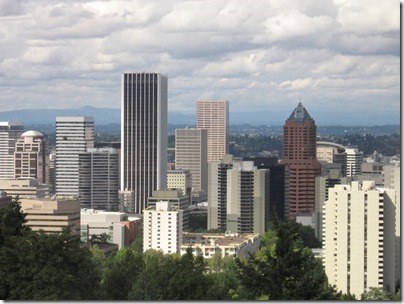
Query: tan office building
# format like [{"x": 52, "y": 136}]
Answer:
[
  {"x": 191, "y": 154},
  {"x": 213, "y": 115},
  {"x": 52, "y": 216}
]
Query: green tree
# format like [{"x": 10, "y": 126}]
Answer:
[
  {"x": 38, "y": 266},
  {"x": 120, "y": 272},
  {"x": 222, "y": 279},
  {"x": 148, "y": 284},
  {"x": 12, "y": 221},
  {"x": 284, "y": 269},
  {"x": 377, "y": 294}
]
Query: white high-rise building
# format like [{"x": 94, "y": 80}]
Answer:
[
  {"x": 73, "y": 136},
  {"x": 354, "y": 160},
  {"x": 163, "y": 228},
  {"x": 191, "y": 154},
  {"x": 359, "y": 237},
  {"x": 213, "y": 115},
  {"x": 143, "y": 138},
  {"x": 392, "y": 180},
  {"x": 9, "y": 134},
  {"x": 98, "y": 179}
]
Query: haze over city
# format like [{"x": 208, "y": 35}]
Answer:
[{"x": 337, "y": 56}]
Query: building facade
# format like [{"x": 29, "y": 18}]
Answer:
[
  {"x": 119, "y": 229},
  {"x": 25, "y": 188},
  {"x": 299, "y": 156},
  {"x": 73, "y": 136},
  {"x": 325, "y": 182},
  {"x": 180, "y": 179},
  {"x": 191, "y": 154},
  {"x": 213, "y": 115},
  {"x": 359, "y": 237},
  {"x": 332, "y": 153},
  {"x": 217, "y": 192},
  {"x": 354, "y": 160},
  {"x": 247, "y": 198},
  {"x": 225, "y": 244},
  {"x": 10, "y": 132},
  {"x": 175, "y": 198},
  {"x": 162, "y": 228},
  {"x": 98, "y": 179},
  {"x": 52, "y": 216},
  {"x": 31, "y": 157},
  {"x": 143, "y": 137}
]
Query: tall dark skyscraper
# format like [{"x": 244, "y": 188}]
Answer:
[
  {"x": 302, "y": 167},
  {"x": 143, "y": 138}
]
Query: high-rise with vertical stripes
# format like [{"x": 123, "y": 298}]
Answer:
[
  {"x": 213, "y": 115},
  {"x": 9, "y": 134},
  {"x": 73, "y": 135},
  {"x": 143, "y": 138}
]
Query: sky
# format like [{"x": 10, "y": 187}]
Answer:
[{"x": 332, "y": 55}]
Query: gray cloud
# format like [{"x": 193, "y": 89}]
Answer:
[{"x": 258, "y": 54}]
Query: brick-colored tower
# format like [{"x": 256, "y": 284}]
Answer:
[{"x": 302, "y": 167}]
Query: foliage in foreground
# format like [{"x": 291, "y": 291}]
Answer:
[{"x": 37, "y": 266}]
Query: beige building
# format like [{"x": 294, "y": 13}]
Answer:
[
  {"x": 247, "y": 198},
  {"x": 31, "y": 157},
  {"x": 52, "y": 216},
  {"x": 359, "y": 237},
  {"x": 191, "y": 154},
  {"x": 180, "y": 179},
  {"x": 162, "y": 228},
  {"x": 213, "y": 115},
  {"x": 225, "y": 244},
  {"x": 24, "y": 188}
]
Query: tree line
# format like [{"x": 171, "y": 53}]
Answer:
[{"x": 38, "y": 266}]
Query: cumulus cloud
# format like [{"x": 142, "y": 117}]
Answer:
[{"x": 258, "y": 54}]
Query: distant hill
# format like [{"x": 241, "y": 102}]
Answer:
[{"x": 104, "y": 116}]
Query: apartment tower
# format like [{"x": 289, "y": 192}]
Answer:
[
  {"x": 163, "y": 228},
  {"x": 73, "y": 136},
  {"x": 213, "y": 115},
  {"x": 143, "y": 138},
  {"x": 217, "y": 192},
  {"x": 9, "y": 134},
  {"x": 247, "y": 198},
  {"x": 359, "y": 237},
  {"x": 302, "y": 167}
]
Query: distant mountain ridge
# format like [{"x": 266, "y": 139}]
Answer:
[{"x": 104, "y": 116}]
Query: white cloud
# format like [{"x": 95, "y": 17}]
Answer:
[{"x": 258, "y": 54}]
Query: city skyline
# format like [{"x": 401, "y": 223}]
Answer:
[{"x": 337, "y": 56}]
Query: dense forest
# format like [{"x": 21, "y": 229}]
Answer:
[{"x": 37, "y": 266}]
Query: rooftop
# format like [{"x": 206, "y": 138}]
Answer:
[{"x": 300, "y": 114}]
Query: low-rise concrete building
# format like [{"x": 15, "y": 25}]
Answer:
[
  {"x": 115, "y": 225},
  {"x": 226, "y": 244},
  {"x": 25, "y": 188},
  {"x": 52, "y": 216}
]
